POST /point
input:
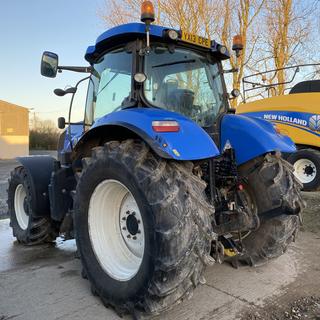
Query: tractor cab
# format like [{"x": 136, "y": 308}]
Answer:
[
  {"x": 177, "y": 71},
  {"x": 141, "y": 65},
  {"x": 160, "y": 85}
]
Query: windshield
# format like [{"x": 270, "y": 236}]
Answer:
[{"x": 185, "y": 82}]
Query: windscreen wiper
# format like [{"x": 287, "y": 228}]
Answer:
[
  {"x": 114, "y": 76},
  {"x": 173, "y": 63}
]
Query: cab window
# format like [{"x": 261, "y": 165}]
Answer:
[
  {"x": 114, "y": 72},
  {"x": 91, "y": 101}
]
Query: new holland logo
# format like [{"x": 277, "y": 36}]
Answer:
[{"x": 314, "y": 122}]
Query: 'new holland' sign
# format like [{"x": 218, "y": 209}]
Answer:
[
  {"x": 302, "y": 119},
  {"x": 282, "y": 118}
]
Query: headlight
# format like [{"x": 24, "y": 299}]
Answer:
[{"x": 172, "y": 34}]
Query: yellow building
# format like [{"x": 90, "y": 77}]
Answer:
[{"x": 14, "y": 130}]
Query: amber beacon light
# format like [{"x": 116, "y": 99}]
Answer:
[
  {"x": 237, "y": 44},
  {"x": 147, "y": 12},
  {"x": 147, "y": 16}
]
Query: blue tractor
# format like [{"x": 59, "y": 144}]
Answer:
[{"x": 161, "y": 178}]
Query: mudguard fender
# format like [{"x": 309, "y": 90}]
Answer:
[
  {"x": 39, "y": 170},
  {"x": 191, "y": 142},
  {"x": 252, "y": 137}
]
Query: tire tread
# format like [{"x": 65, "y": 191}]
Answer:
[{"x": 182, "y": 223}]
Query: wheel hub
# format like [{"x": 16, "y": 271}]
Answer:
[
  {"x": 21, "y": 207},
  {"x": 305, "y": 170},
  {"x": 309, "y": 170},
  {"x": 132, "y": 224},
  {"x": 25, "y": 205}
]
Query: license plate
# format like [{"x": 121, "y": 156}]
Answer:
[{"x": 194, "y": 39}]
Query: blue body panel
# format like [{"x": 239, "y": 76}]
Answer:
[
  {"x": 136, "y": 28},
  {"x": 252, "y": 137},
  {"x": 125, "y": 29},
  {"x": 190, "y": 143},
  {"x": 132, "y": 30},
  {"x": 76, "y": 134}
]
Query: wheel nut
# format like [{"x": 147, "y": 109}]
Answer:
[
  {"x": 128, "y": 212},
  {"x": 138, "y": 221},
  {"x": 124, "y": 228},
  {"x": 124, "y": 218},
  {"x": 133, "y": 213},
  {"x": 134, "y": 238},
  {"x": 138, "y": 231},
  {"x": 128, "y": 236}
]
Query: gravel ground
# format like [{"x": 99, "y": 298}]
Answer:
[
  {"x": 303, "y": 308},
  {"x": 302, "y": 298},
  {"x": 298, "y": 300}
]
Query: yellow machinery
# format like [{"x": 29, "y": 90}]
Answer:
[{"x": 297, "y": 115}]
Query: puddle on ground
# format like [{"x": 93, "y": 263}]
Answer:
[{"x": 14, "y": 255}]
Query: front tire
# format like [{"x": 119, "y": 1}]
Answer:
[
  {"x": 27, "y": 228},
  {"x": 306, "y": 163},
  {"x": 166, "y": 260},
  {"x": 277, "y": 197}
]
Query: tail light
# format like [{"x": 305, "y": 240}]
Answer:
[{"x": 165, "y": 126}]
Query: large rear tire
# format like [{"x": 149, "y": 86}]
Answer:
[
  {"x": 27, "y": 228},
  {"x": 277, "y": 197},
  {"x": 142, "y": 226},
  {"x": 271, "y": 240}
]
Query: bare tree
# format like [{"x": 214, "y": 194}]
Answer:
[
  {"x": 43, "y": 135},
  {"x": 240, "y": 17},
  {"x": 119, "y": 12},
  {"x": 280, "y": 18},
  {"x": 197, "y": 16},
  {"x": 286, "y": 35},
  {"x": 273, "y": 31}
]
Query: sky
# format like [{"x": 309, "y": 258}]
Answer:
[{"x": 29, "y": 27}]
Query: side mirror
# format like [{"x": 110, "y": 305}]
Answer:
[
  {"x": 49, "y": 64},
  {"x": 61, "y": 123}
]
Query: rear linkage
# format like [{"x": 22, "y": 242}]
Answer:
[{"x": 233, "y": 216}]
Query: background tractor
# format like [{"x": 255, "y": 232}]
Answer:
[
  {"x": 160, "y": 179},
  {"x": 296, "y": 114}
]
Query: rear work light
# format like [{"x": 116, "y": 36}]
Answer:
[{"x": 165, "y": 126}]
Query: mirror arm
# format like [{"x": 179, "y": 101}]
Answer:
[
  {"x": 76, "y": 69},
  {"x": 70, "y": 108},
  {"x": 233, "y": 70}
]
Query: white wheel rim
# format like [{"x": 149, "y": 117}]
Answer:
[
  {"x": 116, "y": 230},
  {"x": 305, "y": 170},
  {"x": 19, "y": 207}
]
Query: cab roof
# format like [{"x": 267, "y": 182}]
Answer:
[{"x": 127, "y": 32}]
